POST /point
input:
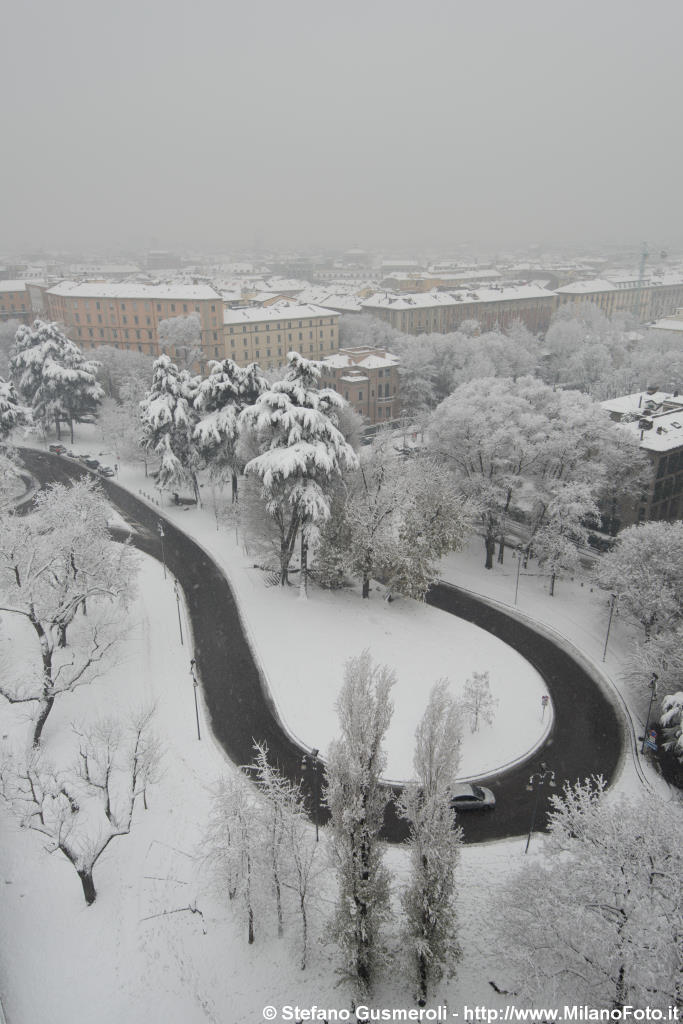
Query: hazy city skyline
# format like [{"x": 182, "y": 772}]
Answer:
[{"x": 303, "y": 125}]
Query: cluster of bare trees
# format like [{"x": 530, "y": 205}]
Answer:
[{"x": 64, "y": 590}]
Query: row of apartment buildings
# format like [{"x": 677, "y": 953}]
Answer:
[{"x": 127, "y": 315}]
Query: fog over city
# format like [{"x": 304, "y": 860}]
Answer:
[{"x": 307, "y": 124}]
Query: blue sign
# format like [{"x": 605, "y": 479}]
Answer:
[{"x": 651, "y": 739}]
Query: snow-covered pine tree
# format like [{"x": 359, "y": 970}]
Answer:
[
  {"x": 53, "y": 376},
  {"x": 429, "y": 900},
  {"x": 356, "y": 802},
  {"x": 221, "y": 397},
  {"x": 169, "y": 419},
  {"x": 12, "y": 414},
  {"x": 301, "y": 452}
]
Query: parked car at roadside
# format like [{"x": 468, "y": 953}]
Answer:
[
  {"x": 105, "y": 471},
  {"x": 469, "y": 797},
  {"x": 58, "y": 449}
]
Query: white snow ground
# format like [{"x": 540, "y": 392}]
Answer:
[{"x": 117, "y": 960}]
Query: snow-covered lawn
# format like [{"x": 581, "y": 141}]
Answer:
[{"x": 139, "y": 954}]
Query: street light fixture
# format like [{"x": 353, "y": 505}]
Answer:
[
  {"x": 160, "y": 528},
  {"x": 310, "y": 762},
  {"x": 653, "y": 694},
  {"x": 180, "y": 623},
  {"x": 544, "y": 776},
  {"x": 613, "y": 601},
  {"x": 196, "y": 686}
]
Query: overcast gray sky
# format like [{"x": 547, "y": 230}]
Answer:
[{"x": 383, "y": 124}]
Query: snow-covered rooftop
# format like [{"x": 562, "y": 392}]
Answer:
[
  {"x": 370, "y": 362},
  {"x": 278, "y": 311},
  {"x": 428, "y": 300},
  {"x": 617, "y": 282},
  {"x": 670, "y": 323},
  {"x": 14, "y": 286},
  {"x": 662, "y": 408},
  {"x": 133, "y": 290}
]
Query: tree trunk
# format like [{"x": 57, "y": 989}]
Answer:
[
  {"x": 366, "y": 585},
  {"x": 61, "y": 634},
  {"x": 552, "y": 584},
  {"x": 284, "y": 564},
  {"x": 59, "y": 436},
  {"x": 88, "y": 885},
  {"x": 234, "y": 487},
  {"x": 490, "y": 546},
  {"x": 501, "y": 549},
  {"x": 303, "y": 582},
  {"x": 251, "y": 925},
  {"x": 71, "y": 428},
  {"x": 304, "y": 931},
  {"x": 45, "y": 709}
]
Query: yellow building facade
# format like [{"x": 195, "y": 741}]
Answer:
[
  {"x": 127, "y": 316},
  {"x": 265, "y": 335}
]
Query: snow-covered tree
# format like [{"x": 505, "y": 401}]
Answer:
[
  {"x": 288, "y": 850},
  {"x": 558, "y": 542},
  {"x": 645, "y": 571},
  {"x": 221, "y": 397},
  {"x": 53, "y": 376},
  {"x": 477, "y": 701},
  {"x": 398, "y": 520},
  {"x": 80, "y": 809},
  {"x": 123, "y": 374},
  {"x": 12, "y": 414},
  {"x": 55, "y": 563},
  {"x": 182, "y": 335},
  {"x": 260, "y": 848},
  {"x": 429, "y": 900},
  {"x": 356, "y": 802},
  {"x": 232, "y": 846},
  {"x": 169, "y": 419},
  {"x": 671, "y": 721},
  {"x": 301, "y": 452},
  {"x": 8, "y": 330},
  {"x": 598, "y": 919},
  {"x": 514, "y": 442}
]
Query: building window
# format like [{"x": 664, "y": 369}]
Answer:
[
  {"x": 158, "y": 307},
  {"x": 173, "y": 307},
  {"x": 184, "y": 307}
]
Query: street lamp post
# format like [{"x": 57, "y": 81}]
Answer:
[
  {"x": 613, "y": 601},
  {"x": 519, "y": 566},
  {"x": 310, "y": 762},
  {"x": 536, "y": 783},
  {"x": 163, "y": 554},
  {"x": 180, "y": 622},
  {"x": 653, "y": 694},
  {"x": 195, "y": 685}
]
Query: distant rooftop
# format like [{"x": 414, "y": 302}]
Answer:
[
  {"x": 133, "y": 290},
  {"x": 278, "y": 311}
]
